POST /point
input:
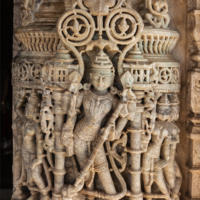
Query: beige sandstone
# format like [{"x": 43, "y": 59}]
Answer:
[{"x": 99, "y": 86}]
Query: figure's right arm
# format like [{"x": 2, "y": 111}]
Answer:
[
  {"x": 68, "y": 128},
  {"x": 74, "y": 109}
]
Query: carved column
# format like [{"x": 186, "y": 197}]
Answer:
[
  {"x": 194, "y": 102},
  {"x": 136, "y": 150},
  {"x": 59, "y": 170}
]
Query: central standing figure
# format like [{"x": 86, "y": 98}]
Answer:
[{"x": 97, "y": 102}]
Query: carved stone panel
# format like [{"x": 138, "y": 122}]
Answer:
[{"x": 96, "y": 101}]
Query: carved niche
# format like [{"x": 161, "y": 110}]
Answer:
[{"x": 96, "y": 101}]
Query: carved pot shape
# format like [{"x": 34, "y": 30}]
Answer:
[{"x": 194, "y": 92}]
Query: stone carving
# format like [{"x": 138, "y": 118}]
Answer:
[
  {"x": 89, "y": 126},
  {"x": 193, "y": 102},
  {"x": 28, "y": 7},
  {"x": 162, "y": 43},
  {"x": 38, "y": 41},
  {"x": 18, "y": 139},
  {"x": 194, "y": 89},
  {"x": 26, "y": 70},
  {"x": 158, "y": 161},
  {"x": 158, "y": 16},
  {"x": 97, "y": 103},
  {"x": 31, "y": 148}
]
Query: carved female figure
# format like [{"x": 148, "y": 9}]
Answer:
[
  {"x": 163, "y": 169},
  {"x": 153, "y": 162},
  {"x": 32, "y": 150},
  {"x": 17, "y": 127},
  {"x": 171, "y": 172}
]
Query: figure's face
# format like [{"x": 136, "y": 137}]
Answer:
[
  {"x": 163, "y": 113},
  {"x": 160, "y": 5},
  {"x": 156, "y": 6},
  {"x": 102, "y": 81}
]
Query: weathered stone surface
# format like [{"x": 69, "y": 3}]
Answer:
[{"x": 98, "y": 90}]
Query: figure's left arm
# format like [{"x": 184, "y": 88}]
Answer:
[
  {"x": 39, "y": 147},
  {"x": 120, "y": 125},
  {"x": 68, "y": 127},
  {"x": 175, "y": 138},
  {"x": 165, "y": 152}
]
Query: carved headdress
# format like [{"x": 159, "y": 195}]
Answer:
[
  {"x": 163, "y": 105},
  {"x": 102, "y": 64},
  {"x": 174, "y": 101},
  {"x": 33, "y": 102}
]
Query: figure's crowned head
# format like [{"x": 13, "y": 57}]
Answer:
[
  {"x": 174, "y": 108},
  {"x": 163, "y": 108},
  {"x": 102, "y": 64},
  {"x": 102, "y": 71},
  {"x": 32, "y": 105}
]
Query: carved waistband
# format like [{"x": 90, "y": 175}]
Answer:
[{"x": 86, "y": 132}]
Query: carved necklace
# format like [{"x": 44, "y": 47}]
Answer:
[{"x": 97, "y": 107}]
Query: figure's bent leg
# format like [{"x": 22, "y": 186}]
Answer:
[
  {"x": 81, "y": 151},
  {"x": 170, "y": 176},
  {"x": 101, "y": 166},
  {"x": 17, "y": 173},
  {"x": 34, "y": 195},
  {"x": 146, "y": 167},
  {"x": 37, "y": 178},
  {"x": 178, "y": 182},
  {"x": 159, "y": 179}
]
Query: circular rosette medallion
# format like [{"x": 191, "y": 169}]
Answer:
[
  {"x": 35, "y": 72},
  {"x": 124, "y": 26},
  {"x": 176, "y": 76},
  {"x": 23, "y": 72},
  {"x": 165, "y": 75},
  {"x": 76, "y": 27}
]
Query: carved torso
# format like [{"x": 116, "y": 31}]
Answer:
[
  {"x": 157, "y": 140},
  {"x": 18, "y": 128},
  {"x": 29, "y": 145},
  {"x": 95, "y": 109}
]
